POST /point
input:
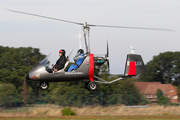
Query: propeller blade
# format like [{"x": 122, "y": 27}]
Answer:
[
  {"x": 107, "y": 49},
  {"x": 108, "y": 66},
  {"x": 107, "y": 57},
  {"x": 45, "y": 17},
  {"x": 159, "y": 29}
]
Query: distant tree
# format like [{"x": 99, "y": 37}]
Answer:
[
  {"x": 161, "y": 99},
  {"x": 15, "y": 63},
  {"x": 178, "y": 90},
  {"x": 164, "y": 68},
  {"x": 7, "y": 95}
]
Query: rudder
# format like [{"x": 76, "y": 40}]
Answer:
[{"x": 134, "y": 65}]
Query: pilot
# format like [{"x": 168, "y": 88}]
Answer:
[
  {"x": 78, "y": 60},
  {"x": 59, "y": 63}
]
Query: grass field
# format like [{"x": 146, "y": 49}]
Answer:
[
  {"x": 127, "y": 117},
  {"x": 106, "y": 111},
  {"x": 94, "y": 113}
]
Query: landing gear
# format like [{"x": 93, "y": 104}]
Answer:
[
  {"x": 91, "y": 86},
  {"x": 44, "y": 85}
]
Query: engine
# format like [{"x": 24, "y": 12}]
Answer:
[{"x": 98, "y": 61}]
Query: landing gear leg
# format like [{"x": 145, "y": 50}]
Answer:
[
  {"x": 44, "y": 85},
  {"x": 91, "y": 86}
]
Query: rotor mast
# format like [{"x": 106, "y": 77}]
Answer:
[{"x": 86, "y": 30}]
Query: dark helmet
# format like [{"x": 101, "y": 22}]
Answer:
[
  {"x": 81, "y": 51},
  {"x": 62, "y": 51}
]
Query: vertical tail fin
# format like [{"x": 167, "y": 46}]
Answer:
[{"x": 134, "y": 65}]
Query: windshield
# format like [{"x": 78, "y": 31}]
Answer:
[{"x": 44, "y": 62}]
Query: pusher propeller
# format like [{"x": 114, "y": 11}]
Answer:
[{"x": 107, "y": 56}]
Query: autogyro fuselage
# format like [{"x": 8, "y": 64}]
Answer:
[
  {"x": 134, "y": 66},
  {"x": 85, "y": 71}
]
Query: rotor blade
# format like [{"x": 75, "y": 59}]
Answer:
[
  {"x": 159, "y": 29},
  {"x": 85, "y": 25},
  {"x": 44, "y": 17}
]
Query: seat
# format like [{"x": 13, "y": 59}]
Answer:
[
  {"x": 65, "y": 66},
  {"x": 76, "y": 64}
]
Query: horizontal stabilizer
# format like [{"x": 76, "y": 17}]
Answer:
[{"x": 134, "y": 65}]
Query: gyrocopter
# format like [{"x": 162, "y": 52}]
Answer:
[{"x": 134, "y": 64}]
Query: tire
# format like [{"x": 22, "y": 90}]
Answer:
[
  {"x": 92, "y": 86},
  {"x": 44, "y": 85}
]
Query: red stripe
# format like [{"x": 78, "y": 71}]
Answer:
[
  {"x": 91, "y": 67},
  {"x": 132, "y": 68}
]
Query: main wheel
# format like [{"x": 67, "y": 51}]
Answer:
[
  {"x": 44, "y": 85},
  {"x": 92, "y": 86}
]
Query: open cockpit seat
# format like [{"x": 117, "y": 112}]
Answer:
[
  {"x": 76, "y": 65},
  {"x": 65, "y": 66},
  {"x": 51, "y": 70}
]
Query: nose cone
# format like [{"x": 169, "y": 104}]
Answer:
[{"x": 27, "y": 77}]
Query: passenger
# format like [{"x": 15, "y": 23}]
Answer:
[
  {"x": 78, "y": 60},
  {"x": 59, "y": 63}
]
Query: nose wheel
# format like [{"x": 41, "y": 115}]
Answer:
[
  {"x": 91, "y": 86},
  {"x": 44, "y": 85}
]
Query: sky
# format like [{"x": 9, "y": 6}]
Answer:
[{"x": 19, "y": 30}]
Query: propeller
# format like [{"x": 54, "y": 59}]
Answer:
[
  {"x": 86, "y": 26},
  {"x": 107, "y": 56}
]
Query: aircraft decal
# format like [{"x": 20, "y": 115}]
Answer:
[
  {"x": 36, "y": 77},
  {"x": 137, "y": 63},
  {"x": 91, "y": 67},
  {"x": 74, "y": 73},
  {"x": 132, "y": 68}
]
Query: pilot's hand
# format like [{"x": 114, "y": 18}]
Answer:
[
  {"x": 52, "y": 65},
  {"x": 55, "y": 70}
]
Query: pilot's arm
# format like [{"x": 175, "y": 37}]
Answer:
[{"x": 76, "y": 57}]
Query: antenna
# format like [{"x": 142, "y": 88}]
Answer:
[{"x": 132, "y": 48}]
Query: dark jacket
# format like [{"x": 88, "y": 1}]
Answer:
[{"x": 60, "y": 63}]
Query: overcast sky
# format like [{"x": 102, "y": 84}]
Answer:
[{"x": 19, "y": 30}]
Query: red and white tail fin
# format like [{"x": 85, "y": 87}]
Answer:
[{"x": 134, "y": 65}]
